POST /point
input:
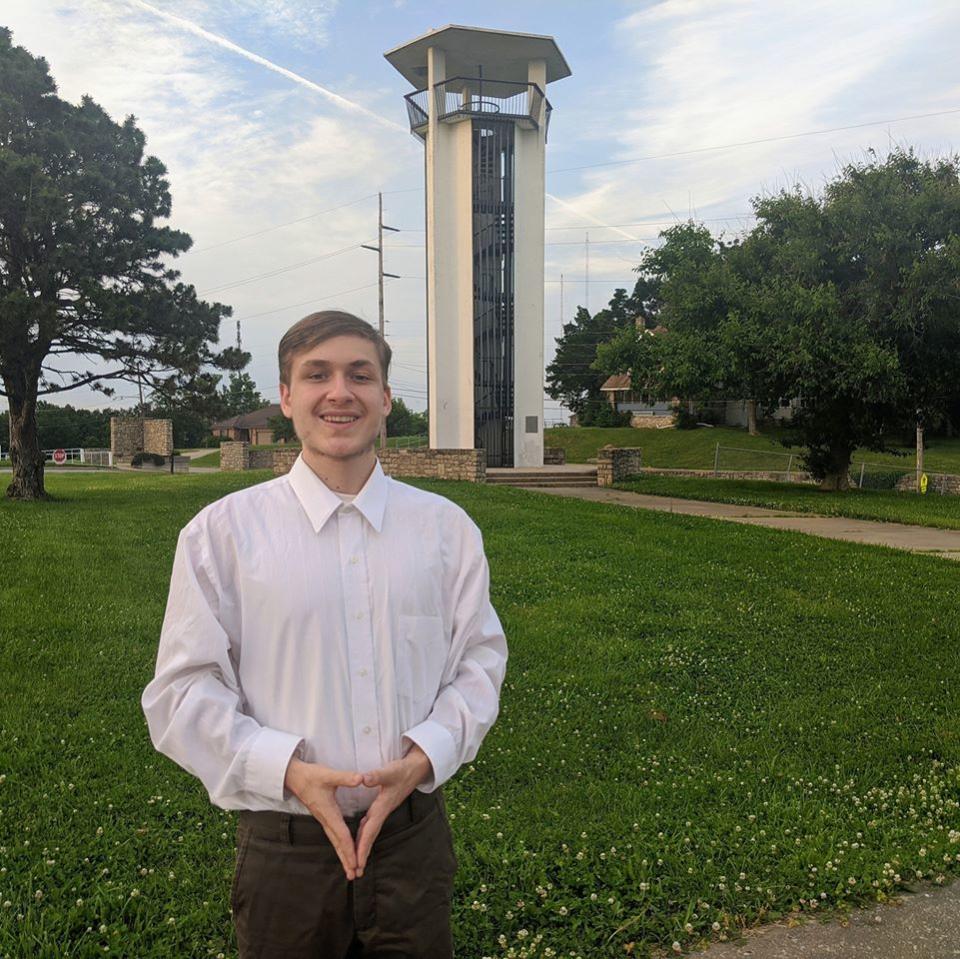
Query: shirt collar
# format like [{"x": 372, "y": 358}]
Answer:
[{"x": 320, "y": 502}]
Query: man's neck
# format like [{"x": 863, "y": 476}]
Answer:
[{"x": 341, "y": 475}]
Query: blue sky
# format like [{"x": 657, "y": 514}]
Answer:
[{"x": 249, "y": 147}]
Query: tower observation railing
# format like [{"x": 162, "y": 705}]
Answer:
[{"x": 466, "y": 98}]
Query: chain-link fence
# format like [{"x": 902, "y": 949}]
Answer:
[{"x": 745, "y": 463}]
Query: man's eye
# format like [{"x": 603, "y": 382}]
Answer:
[{"x": 361, "y": 376}]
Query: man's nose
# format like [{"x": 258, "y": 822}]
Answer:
[{"x": 339, "y": 387}]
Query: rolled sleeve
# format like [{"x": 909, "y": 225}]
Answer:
[
  {"x": 435, "y": 740},
  {"x": 267, "y": 759}
]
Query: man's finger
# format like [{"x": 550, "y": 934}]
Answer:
[
  {"x": 342, "y": 777},
  {"x": 342, "y": 842},
  {"x": 366, "y": 838},
  {"x": 360, "y": 828}
]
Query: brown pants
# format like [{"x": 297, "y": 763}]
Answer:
[{"x": 291, "y": 899}]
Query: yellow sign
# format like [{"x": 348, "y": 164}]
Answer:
[{"x": 923, "y": 482}]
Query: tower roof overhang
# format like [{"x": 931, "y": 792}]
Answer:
[{"x": 503, "y": 55}]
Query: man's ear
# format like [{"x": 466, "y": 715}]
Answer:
[
  {"x": 285, "y": 400},
  {"x": 387, "y": 401}
]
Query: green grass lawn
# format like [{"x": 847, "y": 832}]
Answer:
[
  {"x": 886, "y": 505},
  {"x": 695, "y": 449},
  {"x": 704, "y": 726},
  {"x": 208, "y": 459}
]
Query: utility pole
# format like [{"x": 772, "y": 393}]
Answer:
[
  {"x": 586, "y": 278},
  {"x": 919, "y": 448},
  {"x": 378, "y": 249}
]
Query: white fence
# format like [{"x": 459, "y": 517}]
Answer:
[{"x": 83, "y": 456}]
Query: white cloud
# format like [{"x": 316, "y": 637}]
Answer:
[
  {"x": 245, "y": 149},
  {"x": 306, "y": 24}
]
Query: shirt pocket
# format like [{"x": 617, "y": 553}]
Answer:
[{"x": 421, "y": 658}]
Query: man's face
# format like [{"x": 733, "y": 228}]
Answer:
[{"x": 337, "y": 397}]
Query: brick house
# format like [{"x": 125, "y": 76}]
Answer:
[{"x": 254, "y": 428}]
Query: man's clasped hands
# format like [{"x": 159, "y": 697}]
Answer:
[{"x": 315, "y": 786}]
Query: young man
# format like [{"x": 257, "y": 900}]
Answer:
[{"x": 329, "y": 657}]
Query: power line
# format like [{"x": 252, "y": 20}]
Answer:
[
  {"x": 313, "y": 299},
  {"x": 614, "y": 226},
  {"x": 277, "y": 272},
  {"x": 745, "y": 143},
  {"x": 280, "y": 226}
]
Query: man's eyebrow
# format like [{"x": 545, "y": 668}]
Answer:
[{"x": 325, "y": 363}]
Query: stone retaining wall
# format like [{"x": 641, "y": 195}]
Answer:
[
  {"x": 943, "y": 483},
  {"x": 614, "y": 465},
  {"x": 283, "y": 460},
  {"x": 469, "y": 465},
  {"x": 260, "y": 459},
  {"x": 794, "y": 476},
  {"x": 640, "y": 421},
  {"x": 554, "y": 456}
]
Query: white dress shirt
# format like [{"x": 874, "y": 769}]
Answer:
[{"x": 340, "y": 631}]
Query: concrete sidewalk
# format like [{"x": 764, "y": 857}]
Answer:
[
  {"x": 921, "y": 925},
  {"x": 918, "y": 539}
]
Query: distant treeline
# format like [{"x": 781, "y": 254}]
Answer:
[{"x": 66, "y": 427}]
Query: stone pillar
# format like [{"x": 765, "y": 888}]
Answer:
[
  {"x": 158, "y": 437},
  {"x": 235, "y": 456},
  {"x": 614, "y": 465}
]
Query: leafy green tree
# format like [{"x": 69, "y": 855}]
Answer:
[
  {"x": 897, "y": 229},
  {"x": 404, "y": 421},
  {"x": 702, "y": 327},
  {"x": 571, "y": 376},
  {"x": 83, "y": 259},
  {"x": 239, "y": 395},
  {"x": 282, "y": 429},
  {"x": 846, "y": 300}
]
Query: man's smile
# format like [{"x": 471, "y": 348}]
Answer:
[{"x": 340, "y": 418}]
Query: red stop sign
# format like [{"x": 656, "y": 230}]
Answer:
[{"x": 59, "y": 457}]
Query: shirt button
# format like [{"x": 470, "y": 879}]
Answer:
[
  {"x": 363, "y": 672},
  {"x": 358, "y": 615},
  {"x": 366, "y": 729},
  {"x": 353, "y": 560}
]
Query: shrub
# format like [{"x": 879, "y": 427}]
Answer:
[
  {"x": 685, "y": 420},
  {"x": 155, "y": 459},
  {"x": 601, "y": 413}
]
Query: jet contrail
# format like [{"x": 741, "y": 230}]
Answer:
[
  {"x": 199, "y": 31},
  {"x": 592, "y": 219}
]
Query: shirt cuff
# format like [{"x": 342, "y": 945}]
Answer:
[
  {"x": 441, "y": 750},
  {"x": 267, "y": 761}
]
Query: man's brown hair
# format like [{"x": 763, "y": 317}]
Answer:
[{"x": 305, "y": 334}]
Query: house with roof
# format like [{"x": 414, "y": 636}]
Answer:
[{"x": 253, "y": 428}]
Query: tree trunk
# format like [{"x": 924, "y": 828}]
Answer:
[
  {"x": 25, "y": 455},
  {"x": 752, "y": 418},
  {"x": 837, "y": 476}
]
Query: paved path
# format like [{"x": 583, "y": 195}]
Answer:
[
  {"x": 925, "y": 925},
  {"x": 919, "y": 539}
]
